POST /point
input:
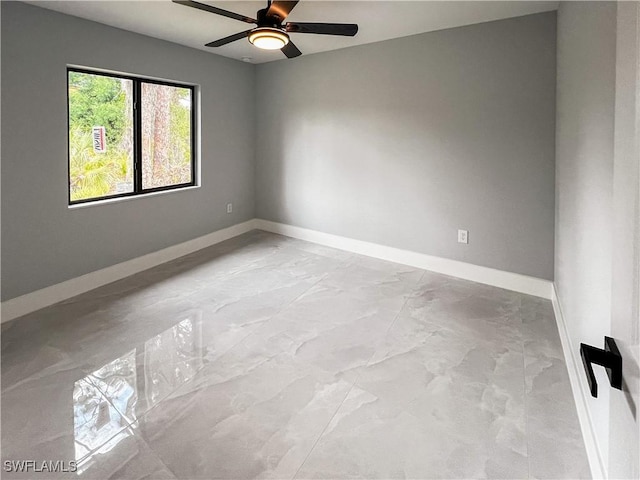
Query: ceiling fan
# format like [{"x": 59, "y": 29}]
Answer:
[{"x": 271, "y": 33}]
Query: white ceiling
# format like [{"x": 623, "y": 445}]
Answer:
[{"x": 377, "y": 20}]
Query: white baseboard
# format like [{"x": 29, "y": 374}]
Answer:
[
  {"x": 33, "y": 301},
  {"x": 489, "y": 276},
  {"x": 580, "y": 393}
]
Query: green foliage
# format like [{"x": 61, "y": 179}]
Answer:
[
  {"x": 96, "y": 100},
  {"x": 166, "y": 160},
  {"x": 181, "y": 126},
  {"x": 94, "y": 174}
]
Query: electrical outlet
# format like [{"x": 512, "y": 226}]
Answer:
[
  {"x": 229, "y": 207},
  {"x": 463, "y": 236}
]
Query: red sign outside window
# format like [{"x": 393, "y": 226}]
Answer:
[{"x": 99, "y": 140}]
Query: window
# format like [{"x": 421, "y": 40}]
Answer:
[{"x": 128, "y": 136}]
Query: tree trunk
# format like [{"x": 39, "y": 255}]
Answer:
[{"x": 126, "y": 143}]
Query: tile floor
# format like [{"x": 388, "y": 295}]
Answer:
[{"x": 269, "y": 357}]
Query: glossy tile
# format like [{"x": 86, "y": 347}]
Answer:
[
  {"x": 328, "y": 329},
  {"x": 61, "y": 417},
  {"x": 125, "y": 456},
  {"x": 372, "y": 437},
  {"x": 270, "y": 357},
  {"x": 439, "y": 399},
  {"x": 248, "y": 416},
  {"x": 138, "y": 380},
  {"x": 555, "y": 441}
]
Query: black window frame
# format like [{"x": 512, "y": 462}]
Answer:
[{"x": 137, "y": 135}]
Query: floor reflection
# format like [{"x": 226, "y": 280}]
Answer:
[
  {"x": 171, "y": 359},
  {"x": 96, "y": 423},
  {"x": 107, "y": 402}
]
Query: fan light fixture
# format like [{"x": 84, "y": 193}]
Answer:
[
  {"x": 271, "y": 32},
  {"x": 268, "y": 38}
]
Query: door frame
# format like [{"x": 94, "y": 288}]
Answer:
[{"x": 624, "y": 407}]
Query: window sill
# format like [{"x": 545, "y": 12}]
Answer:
[{"x": 108, "y": 201}]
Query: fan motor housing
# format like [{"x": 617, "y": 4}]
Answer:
[
  {"x": 265, "y": 20},
  {"x": 269, "y": 32}
]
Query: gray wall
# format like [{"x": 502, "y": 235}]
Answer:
[
  {"x": 405, "y": 141},
  {"x": 399, "y": 143},
  {"x": 43, "y": 241},
  {"x": 584, "y": 179}
]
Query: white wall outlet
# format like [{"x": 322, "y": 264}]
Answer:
[
  {"x": 463, "y": 236},
  {"x": 229, "y": 207}
]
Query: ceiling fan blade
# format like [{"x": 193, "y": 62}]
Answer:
[
  {"x": 345, "y": 29},
  {"x": 281, "y": 9},
  {"x": 290, "y": 50},
  {"x": 229, "y": 39},
  {"x": 217, "y": 11}
]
